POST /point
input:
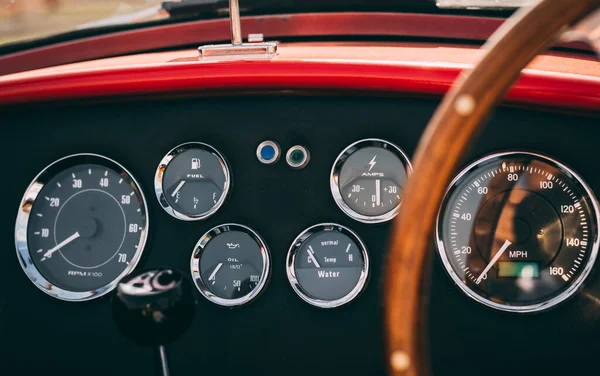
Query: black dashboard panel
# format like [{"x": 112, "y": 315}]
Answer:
[{"x": 278, "y": 333}]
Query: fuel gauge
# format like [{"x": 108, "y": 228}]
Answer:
[{"x": 192, "y": 181}]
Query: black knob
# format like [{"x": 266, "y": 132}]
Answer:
[{"x": 154, "y": 307}]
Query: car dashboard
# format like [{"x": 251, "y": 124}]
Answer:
[
  {"x": 268, "y": 188},
  {"x": 278, "y": 202}
]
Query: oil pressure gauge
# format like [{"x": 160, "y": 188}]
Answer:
[
  {"x": 192, "y": 181},
  {"x": 328, "y": 265},
  {"x": 367, "y": 180},
  {"x": 230, "y": 265}
]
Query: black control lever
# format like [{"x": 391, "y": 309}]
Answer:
[{"x": 154, "y": 308}]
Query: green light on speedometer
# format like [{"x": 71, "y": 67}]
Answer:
[{"x": 518, "y": 269}]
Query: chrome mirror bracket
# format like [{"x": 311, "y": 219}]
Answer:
[{"x": 238, "y": 49}]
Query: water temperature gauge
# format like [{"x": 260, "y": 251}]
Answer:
[
  {"x": 230, "y": 265},
  {"x": 328, "y": 265},
  {"x": 192, "y": 181},
  {"x": 367, "y": 180}
]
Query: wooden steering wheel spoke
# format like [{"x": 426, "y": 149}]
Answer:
[{"x": 454, "y": 126}]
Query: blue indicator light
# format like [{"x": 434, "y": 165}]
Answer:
[{"x": 267, "y": 152}]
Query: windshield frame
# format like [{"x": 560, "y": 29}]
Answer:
[{"x": 194, "y": 10}]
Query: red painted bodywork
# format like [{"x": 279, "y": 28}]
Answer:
[
  {"x": 537, "y": 88},
  {"x": 272, "y": 27},
  {"x": 556, "y": 80},
  {"x": 196, "y": 33}
]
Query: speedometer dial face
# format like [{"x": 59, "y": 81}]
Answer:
[
  {"x": 367, "y": 180},
  {"x": 518, "y": 231},
  {"x": 82, "y": 225}
]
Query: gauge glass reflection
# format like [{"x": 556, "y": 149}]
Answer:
[{"x": 518, "y": 231}]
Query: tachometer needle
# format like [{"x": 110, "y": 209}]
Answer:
[
  {"x": 311, "y": 256},
  {"x": 506, "y": 244},
  {"x": 214, "y": 273},
  {"x": 178, "y": 188},
  {"x": 68, "y": 240}
]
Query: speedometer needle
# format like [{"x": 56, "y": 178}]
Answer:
[
  {"x": 311, "y": 256},
  {"x": 68, "y": 240},
  {"x": 506, "y": 244}
]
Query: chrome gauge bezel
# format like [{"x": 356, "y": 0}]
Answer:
[
  {"x": 162, "y": 168},
  {"x": 538, "y": 307},
  {"x": 337, "y": 168},
  {"x": 197, "y": 275},
  {"x": 291, "y": 271},
  {"x": 27, "y": 202}
]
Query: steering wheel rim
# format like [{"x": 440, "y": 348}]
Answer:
[{"x": 457, "y": 122}]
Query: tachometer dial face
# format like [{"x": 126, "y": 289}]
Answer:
[
  {"x": 518, "y": 231},
  {"x": 82, "y": 225},
  {"x": 367, "y": 180},
  {"x": 230, "y": 265},
  {"x": 328, "y": 265},
  {"x": 192, "y": 181}
]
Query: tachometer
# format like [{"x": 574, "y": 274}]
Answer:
[
  {"x": 82, "y": 225},
  {"x": 518, "y": 231}
]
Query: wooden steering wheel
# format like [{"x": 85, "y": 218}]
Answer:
[{"x": 457, "y": 122}]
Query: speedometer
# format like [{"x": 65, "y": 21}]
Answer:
[{"x": 518, "y": 231}]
